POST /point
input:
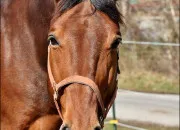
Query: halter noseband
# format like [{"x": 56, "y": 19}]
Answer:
[{"x": 79, "y": 80}]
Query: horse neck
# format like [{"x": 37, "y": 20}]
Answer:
[{"x": 24, "y": 29}]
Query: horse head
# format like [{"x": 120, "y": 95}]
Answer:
[{"x": 82, "y": 61}]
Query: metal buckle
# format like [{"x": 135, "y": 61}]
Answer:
[{"x": 55, "y": 95}]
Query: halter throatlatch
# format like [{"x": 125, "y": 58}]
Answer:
[{"x": 79, "y": 80}]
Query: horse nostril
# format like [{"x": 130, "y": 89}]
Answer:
[{"x": 97, "y": 128}]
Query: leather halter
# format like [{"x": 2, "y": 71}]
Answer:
[{"x": 79, "y": 80}]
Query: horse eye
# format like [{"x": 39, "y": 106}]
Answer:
[
  {"x": 65, "y": 128},
  {"x": 52, "y": 40},
  {"x": 98, "y": 128},
  {"x": 116, "y": 42}
]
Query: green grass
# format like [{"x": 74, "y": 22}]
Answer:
[
  {"x": 144, "y": 81},
  {"x": 147, "y": 126}
]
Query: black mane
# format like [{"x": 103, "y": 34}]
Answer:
[{"x": 107, "y": 6}]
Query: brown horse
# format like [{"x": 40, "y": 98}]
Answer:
[{"x": 82, "y": 63}]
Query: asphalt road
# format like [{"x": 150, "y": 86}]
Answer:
[{"x": 152, "y": 108}]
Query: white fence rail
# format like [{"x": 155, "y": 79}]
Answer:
[
  {"x": 151, "y": 43},
  {"x": 125, "y": 125}
]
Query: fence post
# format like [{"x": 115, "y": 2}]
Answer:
[{"x": 114, "y": 116}]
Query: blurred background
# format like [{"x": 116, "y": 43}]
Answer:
[
  {"x": 150, "y": 68},
  {"x": 149, "y": 63}
]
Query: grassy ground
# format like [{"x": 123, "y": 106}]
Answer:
[
  {"x": 141, "y": 125},
  {"x": 145, "y": 81}
]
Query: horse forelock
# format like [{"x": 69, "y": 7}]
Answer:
[{"x": 109, "y": 7}]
